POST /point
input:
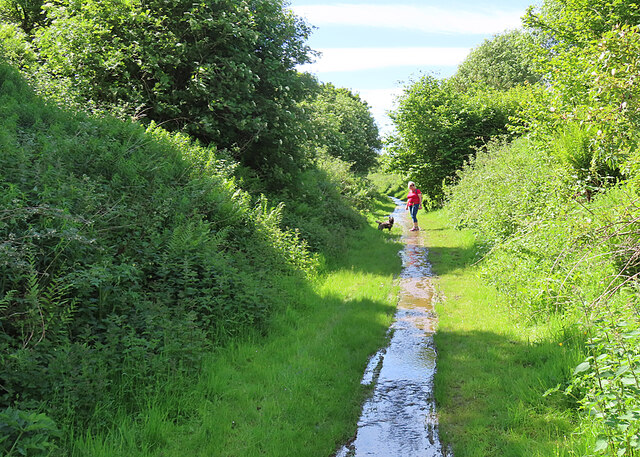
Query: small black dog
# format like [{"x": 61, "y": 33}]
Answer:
[{"x": 385, "y": 225}]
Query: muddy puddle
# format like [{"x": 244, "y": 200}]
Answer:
[{"x": 399, "y": 419}]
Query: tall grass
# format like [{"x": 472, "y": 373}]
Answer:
[
  {"x": 493, "y": 369},
  {"x": 294, "y": 392},
  {"x": 563, "y": 256}
]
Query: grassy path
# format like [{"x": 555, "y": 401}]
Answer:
[
  {"x": 296, "y": 392},
  {"x": 492, "y": 369}
]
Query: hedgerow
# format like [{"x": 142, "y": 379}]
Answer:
[{"x": 125, "y": 254}]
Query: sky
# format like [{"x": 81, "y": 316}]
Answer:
[{"x": 376, "y": 47}]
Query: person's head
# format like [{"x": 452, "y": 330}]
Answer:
[{"x": 412, "y": 185}]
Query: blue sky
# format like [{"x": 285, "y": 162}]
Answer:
[{"x": 374, "y": 47}]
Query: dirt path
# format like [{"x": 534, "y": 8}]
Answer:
[{"x": 399, "y": 420}]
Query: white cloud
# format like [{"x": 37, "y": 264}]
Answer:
[
  {"x": 424, "y": 18},
  {"x": 381, "y": 101},
  {"x": 354, "y": 59},
  {"x": 381, "y": 97}
]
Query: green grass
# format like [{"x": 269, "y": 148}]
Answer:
[
  {"x": 492, "y": 369},
  {"x": 295, "y": 392}
]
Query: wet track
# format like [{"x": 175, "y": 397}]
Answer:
[{"x": 399, "y": 420}]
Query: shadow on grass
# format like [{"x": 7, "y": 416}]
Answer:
[
  {"x": 447, "y": 259},
  {"x": 301, "y": 383},
  {"x": 377, "y": 252},
  {"x": 489, "y": 391},
  {"x": 381, "y": 249}
]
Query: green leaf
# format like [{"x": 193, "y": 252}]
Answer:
[
  {"x": 623, "y": 369},
  {"x": 601, "y": 445},
  {"x": 552, "y": 390},
  {"x": 584, "y": 366},
  {"x": 628, "y": 381}
]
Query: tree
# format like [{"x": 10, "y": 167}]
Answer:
[
  {"x": 26, "y": 13},
  {"x": 590, "y": 65},
  {"x": 14, "y": 46},
  {"x": 570, "y": 23},
  {"x": 438, "y": 128},
  {"x": 344, "y": 127},
  {"x": 223, "y": 71},
  {"x": 502, "y": 62}
]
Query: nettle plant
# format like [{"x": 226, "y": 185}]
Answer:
[
  {"x": 609, "y": 383},
  {"x": 27, "y": 433}
]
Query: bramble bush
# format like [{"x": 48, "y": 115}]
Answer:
[
  {"x": 607, "y": 383},
  {"x": 560, "y": 240},
  {"x": 500, "y": 191},
  {"x": 322, "y": 208},
  {"x": 125, "y": 253},
  {"x": 551, "y": 250}
]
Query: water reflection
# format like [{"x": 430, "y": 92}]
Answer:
[{"x": 399, "y": 420}]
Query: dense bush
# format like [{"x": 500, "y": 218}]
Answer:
[
  {"x": 322, "y": 208},
  {"x": 517, "y": 197},
  {"x": 558, "y": 212},
  {"x": 222, "y": 72},
  {"x": 342, "y": 126},
  {"x": 552, "y": 251},
  {"x": 128, "y": 252},
  {"x": 27, "y": 434},
  {"x": 124, "y": 253},
  {"x": 501, "y": 191},
  {"x": 502, "y": 62},
  {"x": 438, "y": 129}
]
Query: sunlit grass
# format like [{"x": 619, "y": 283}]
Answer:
[
  {"x": 493, "y": 369},
  {"x": 296, "y": 392}
]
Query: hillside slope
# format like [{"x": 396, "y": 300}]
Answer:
[{"x": 124, "y": 254}]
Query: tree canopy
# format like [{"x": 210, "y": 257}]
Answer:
[
  {"x": 221, "y": 71},
  {"x": 344, "y": 127},
  {"x": 26, "y": 13},
  {"x": 502, "y": 62},
  {"x": 438, "y": 128},
  {"x": 570, "y": 23}
]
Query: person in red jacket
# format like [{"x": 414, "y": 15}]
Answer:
[{"x": 414, "y": 203}]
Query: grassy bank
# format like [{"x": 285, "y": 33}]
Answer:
[
  {"x": 295, "y": 392},
  {"x": 493, "y": 369}
]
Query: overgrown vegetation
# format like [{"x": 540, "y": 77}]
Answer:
[
  {"x": 167, "y": 192},
  {"x": 493, "y": 370},
  {"x": 164, "y": 195},
  {"x": 553, "y": 203},
  {"x": 345, "y": 126},
  {"x": 438, "y": 128},
  {"x": 296, "y": 392},
  {"x": 123, "y": 255},
  {"x": 222, "y": 71}
]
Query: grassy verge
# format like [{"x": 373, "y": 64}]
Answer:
[
  {"x": 295, "y": 392},
  {"x": 492, "y": 369}
]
